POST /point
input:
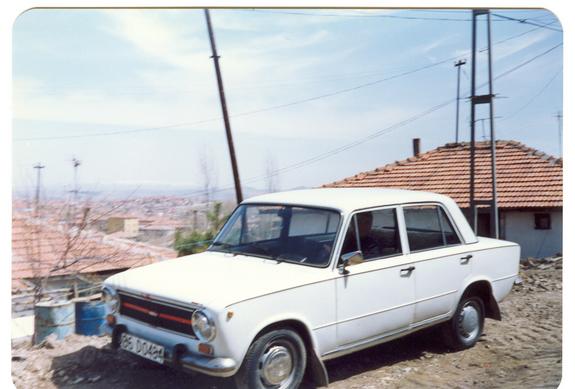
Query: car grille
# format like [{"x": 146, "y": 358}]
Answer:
[{"x": 157, "y": 313}]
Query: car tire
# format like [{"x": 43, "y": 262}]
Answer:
[
  {"x": 276, "y": 359},
  {"x": 466, "y": 326}
]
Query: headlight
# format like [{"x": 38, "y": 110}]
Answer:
[
  {"x": 111, "y": 298},
  {"x": 203, "y": 326}
]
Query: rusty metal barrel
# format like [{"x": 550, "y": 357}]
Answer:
[{"x": 53, "y": 318}]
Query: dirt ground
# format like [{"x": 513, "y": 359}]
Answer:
[{"x": 523, "y": 350}]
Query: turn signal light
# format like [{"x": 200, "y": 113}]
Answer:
[
  {"x": 205, "y": 349},
  {"x": 111, "y": 320}
]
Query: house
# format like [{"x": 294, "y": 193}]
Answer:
[
  {"x": 529, "y": 188},
  {"x": 128, "y": 226},
  {"x": 56, "y": 260}
]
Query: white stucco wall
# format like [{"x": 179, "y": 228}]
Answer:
[{"x": 520, "y": 228}]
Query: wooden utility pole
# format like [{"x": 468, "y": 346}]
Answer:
[
  {"x": 458, "y": 65},
  {"x": 216, "y": 58}
]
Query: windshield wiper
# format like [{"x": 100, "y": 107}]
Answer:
[
  {"x": 290, "y": 258},
  {"x": 225, "y": 248}
]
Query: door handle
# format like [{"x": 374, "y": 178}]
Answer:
[
  {"x": 465, "y": 260},
  {"x": 407, "y": 271}
]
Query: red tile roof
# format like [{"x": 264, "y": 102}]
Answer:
[
  {"x": 41, "y": 249},
  {"x": 525, "y": 177}
]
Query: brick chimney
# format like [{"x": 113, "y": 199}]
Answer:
[{"x": 416, "y": 146}]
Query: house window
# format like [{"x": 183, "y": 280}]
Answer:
[{"x": 542, "y": 221}]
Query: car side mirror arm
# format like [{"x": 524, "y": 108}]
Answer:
[{"x": 353, "y": 256}]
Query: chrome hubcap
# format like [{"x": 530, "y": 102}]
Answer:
[
  {"x": 469, "y": 321},
  {"x": 276, "y": 365}
]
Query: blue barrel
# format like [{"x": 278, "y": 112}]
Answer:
[
  {"x": 53, "y": 318},
  {"x": 90, "y": 317}
]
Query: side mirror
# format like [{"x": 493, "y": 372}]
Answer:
[{"x": 347, "y": 258}]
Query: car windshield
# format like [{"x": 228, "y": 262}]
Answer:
[{"x": 284, "y": 233}]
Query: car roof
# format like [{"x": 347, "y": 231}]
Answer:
[{"x": 347, "y": 199}]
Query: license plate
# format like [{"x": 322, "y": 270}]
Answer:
[{"x": 142, "y": 347}]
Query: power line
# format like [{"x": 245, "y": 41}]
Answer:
[
  {"x": 378, "y": 133},
  {"x": 528, "y": 61},
  {"x": 269, "y": 108},
  {"x": 527, "y": 21},
  {"x": 274, "y": 83},
  {"x": 362, "y": 15},
  {"x": 534, "y": 96},
  {"x": 273, "y": 107},
  {"x": 518, "y": 35}
]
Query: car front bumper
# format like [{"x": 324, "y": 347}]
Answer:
[{"x": 179, "y": 356}]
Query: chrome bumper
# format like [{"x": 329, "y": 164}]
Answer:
[{"x": 178, "y": 356}]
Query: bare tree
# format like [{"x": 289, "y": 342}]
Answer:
[
  {"x": 271, "y": 174},
  {"x": 50, "y": 247},
  {"x": 208, "y": 171}
]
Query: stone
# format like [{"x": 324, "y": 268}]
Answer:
[
  {"x": 78, "y": 381},
  {"x": 94, "y": 379}
]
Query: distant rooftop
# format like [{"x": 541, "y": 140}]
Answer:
[{"x": 41, "y": 249}]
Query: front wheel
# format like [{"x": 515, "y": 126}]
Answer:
[
  {"x": 466, "y": 325},
  {"x": 276, "y": 360}
]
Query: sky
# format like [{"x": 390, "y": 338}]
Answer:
[{"x": 319, "y": 95}]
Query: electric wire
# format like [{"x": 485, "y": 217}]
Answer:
[
  {"x": 378, "y": 133},
  {"x": 527, "y": 21},
  {"x": 539, "y": 93},
  {"x": 269, "y": 108},
  {"x": 359, "y": 15}
]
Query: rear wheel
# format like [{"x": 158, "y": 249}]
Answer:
[
  {"x": 276, "y": 360},
  {"x": 466, "y": 325}
]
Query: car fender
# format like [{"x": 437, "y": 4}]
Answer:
[{"x": 491, "y": 305}]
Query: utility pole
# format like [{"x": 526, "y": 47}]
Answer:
[
  {"x": 38, "y": 168},
  {"x": 475, "y": 100},
  {"x": 458, "y": 65},
  {"x": 559, "y": 117},
  {"x": 216, "y": 58},
  {"x": 75, "y": 191},
  {"x": 494, "y": 209}
]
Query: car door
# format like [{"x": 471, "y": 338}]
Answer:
[
  {"x": 440, "y": 261},
  {"x": 375, "y": 298}
]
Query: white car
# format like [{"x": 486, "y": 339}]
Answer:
[{"x": 297, "y": 278}]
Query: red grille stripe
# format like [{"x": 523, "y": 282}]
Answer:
[
  {"x": 136, "y": 307},
  {"x": 162, "y": 315},
  {"x": 176, "y": 318}
]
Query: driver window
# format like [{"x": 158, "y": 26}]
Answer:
[{"x": 377, "y": 234}]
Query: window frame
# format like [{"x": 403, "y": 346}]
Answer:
[
  {"x": 400, "y": 231},
  {"x": 540, "y": 215},
  {"x": 447, "y": 215}
]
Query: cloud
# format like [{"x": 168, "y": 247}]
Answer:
[{"x": 161, "y": 35}]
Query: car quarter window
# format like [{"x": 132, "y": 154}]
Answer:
[
  {"x": 428, "y": 227},
  {"x": 377, "y": 234}
]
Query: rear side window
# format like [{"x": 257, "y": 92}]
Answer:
[{"x": 428, "y": 227}]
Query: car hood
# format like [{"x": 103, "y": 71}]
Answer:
[{"x": 215, "y": 279}]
